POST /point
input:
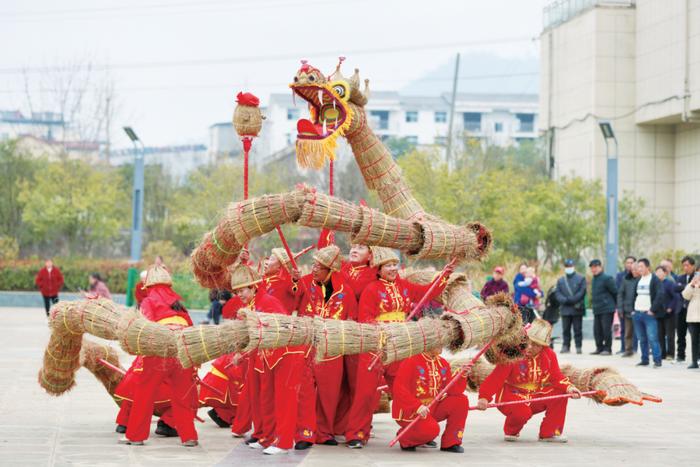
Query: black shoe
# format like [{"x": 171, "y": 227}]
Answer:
[
  {"x": 251, "y": 440},
  {"x": 410, "y": 449},
  {"x": 692, "y": 366},
  {"x": 605, "y": 352},
  {"x": 302, "y": 446},
  {"x": 122, "y": 428},
  {"x": 657, "y": 364},
  {"x": 330, "y": 442},
  {"x": 564, "y": 350},
  {"x": 680, "y": 359},
  {"x": 456, "y": 448},
  {"x": 597, "y": 352},
  {"x": 642, "y": 364},
  {"x": 355, "y": 444},
  {"x": 579, "y": 351},
  {"x": 218, "y": 420},
  {"x": 430, "y": 444},
  {"x": 163, "y": 429}
]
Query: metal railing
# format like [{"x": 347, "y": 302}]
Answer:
[{"x": 561, "y": 11}]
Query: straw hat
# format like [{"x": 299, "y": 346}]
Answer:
[
  {"x": 382, "y": 255},
  {"x": 539, "y": 332},
  {"x": 243, "y": 276},
  {"x": 157, "y": 275},
  {"x": 283, "y": 257},
  {"x": 329, "y": 257}
]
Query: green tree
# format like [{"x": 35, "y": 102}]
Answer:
[
  {"x": 640, "y": 227},
  {"x": 16, "y": 168},
  {"x": 76, "y": 207}
]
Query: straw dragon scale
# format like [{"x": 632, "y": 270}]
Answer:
[{"x": 336, "y": 107}]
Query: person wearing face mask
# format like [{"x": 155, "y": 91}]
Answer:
[
  {"x": 537, "y": 375},
  {"x": 388, "y": 299},
  {"x": 570, "y": 293}
]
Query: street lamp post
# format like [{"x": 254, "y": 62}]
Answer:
[
  {"x": 137, "y": 214},
  {"x": 612, "y": 228}
]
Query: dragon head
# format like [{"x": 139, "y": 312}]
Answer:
[{"x": 333, "y": 101}]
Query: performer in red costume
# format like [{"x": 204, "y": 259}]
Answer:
[
  {"x": 280, "y": 370},
  {"x": 228, "y": 376},
  {"x": 162, "y": 305},
  {"x": 388, "y": 299},
  {"x": 329, "y": 296},
  {"x": 538, "y": 375},
  {"x": 419, "y": 380},
  {"x": 281, "y": 280}
]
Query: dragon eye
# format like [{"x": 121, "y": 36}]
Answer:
[
  {"x": 340, "y": 90},
  {"x": 312, "y": 78},
  {"x": 296, "y": 79}
]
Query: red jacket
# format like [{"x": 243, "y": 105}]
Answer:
[
  {"x": 419, "y": 379},
  {"x": 269, "y": 358},
  {"x": 231, "y": 307},
  {"x": 283, "y": 288},
  {"x": 157, "y": 306},
  {"x": 528, "y": 378},
  {"x": 391, "y": 302},
  {"x": 49, "y": 283},
  {"x": 358, "y": 277},
  {"x": 139, "y": 292}
]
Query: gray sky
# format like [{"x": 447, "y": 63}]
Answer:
[{"x": 177, "y": 64}]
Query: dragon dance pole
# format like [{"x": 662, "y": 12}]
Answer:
[
  {"x": 546, "y": 398},
  {"x": 464, "y": 371},
  {"x": 111, "y": 367},
  {"x": 422, "y": 301}
]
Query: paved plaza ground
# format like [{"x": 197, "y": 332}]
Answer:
[{"x": 78, "y": 428}]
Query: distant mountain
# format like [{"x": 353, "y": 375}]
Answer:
[{"x": 481, "y": 74}]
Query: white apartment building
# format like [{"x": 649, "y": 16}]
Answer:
[
  {"x": 500, "y": 119},
  {"x": 48, "y": 126},
  {"x": 637, "y": 64},
  {"x": 178, "y": 161}
]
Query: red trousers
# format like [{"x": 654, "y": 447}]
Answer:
[
  {"x": 248, "y": 411},
  {"x": 454, "y": 409},
  {"x": 518, "y": 415},
  {"x": 125, "y": 410},
  {"x": 157, "y": 370},
  {"x": 347, "y": 393},
  {"x": 366, "y": 396},
  {"x": 279, "y": 401},
  {"x": 329, "y": 379},
  {"x": 306, "y": 405}
]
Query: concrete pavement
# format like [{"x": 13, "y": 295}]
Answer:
[{"x": 78, "y": 428}]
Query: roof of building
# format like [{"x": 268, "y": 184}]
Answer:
[{"x": 37, "y": 118}]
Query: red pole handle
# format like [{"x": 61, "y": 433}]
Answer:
[
  {"x": 110, "y": 366},
  {"x": 422, "y": 301},
  {"x": 286, "y": 248},
  {"x": 546, "y": 398},
  {"x": 464, "y": 370}
]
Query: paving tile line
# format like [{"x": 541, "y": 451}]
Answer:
[{"x": 243, "y": 456}]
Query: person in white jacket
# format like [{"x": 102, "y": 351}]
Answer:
[{"x": 692, "y": 294}]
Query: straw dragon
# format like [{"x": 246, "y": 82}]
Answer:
[{"x": 336, "y": 107}]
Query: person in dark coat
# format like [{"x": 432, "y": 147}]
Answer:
[
  {"x": 570, "y": 293},
  {"x": 619, "y": 278},
  {"x": 648, "y": 305},
  {"x": 603, "y": 302},
  {"x": 49, "y": 280},
  {"x": 667, "y": 323},
  {"x": 626, "y": 293},
  {"x": 682, "y": 281},
  {"x": 495, "y": 285}
]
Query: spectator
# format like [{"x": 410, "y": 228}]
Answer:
[
  {"x": 218, "y": 299},
  {"x": 98, "y": 287},
  {"x": 682, "y": 281},
  {"x": 626, "y": 293},
  {"x": 495, "y": 285},
  {"x": 692, "y": 294},
  {"x": 666, "y": 324},
  {"x": 570, "y": 293},
  {"x": 629, "y": 265},
  {"x": 648, "y": 306},
  {"x": 667, "y": 264},
  {"x": 603, "y": 302},
  {"x": 519, "y": 277},
  {"x": 50, "y": 281}
]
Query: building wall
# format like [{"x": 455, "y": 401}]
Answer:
[{"x": 618, "y": 63}]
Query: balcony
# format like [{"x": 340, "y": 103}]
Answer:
[{"x": 561, "y": 11}]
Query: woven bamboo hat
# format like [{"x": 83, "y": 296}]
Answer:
[
  {"x": 382, "y": 255},
  {"x": 283, "y": 257},
  {"x": 157, "y": 275},
  {"x": 329, "y": 257},
  {"x": 243, "y": 276},
  {"x": 539, "y": 332}
]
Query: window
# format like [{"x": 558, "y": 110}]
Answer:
[
  {"x": 441, "y": 140},
  {"x": 527, "y": 122},
  {"x": 472, "y": 121},
  {"x": 292, "y": 114},
  {"x": 440, "y": 117},
  {"x": 379, "y": 119},
  {"x": 412, "y": 140},
  {"x": 498, "y": 127},
  {"x": 411, "y": 116}
]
